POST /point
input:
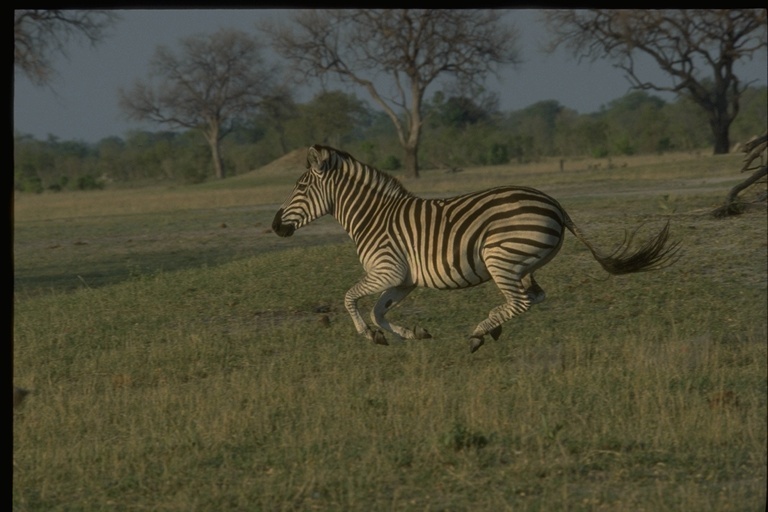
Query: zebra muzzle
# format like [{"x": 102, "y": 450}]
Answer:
[{"x": 281, "y": 229}]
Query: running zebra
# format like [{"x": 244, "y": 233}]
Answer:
[{"x": 403, "y": 241}]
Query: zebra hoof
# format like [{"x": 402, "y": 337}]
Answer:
[
  {"x": 495, "y": 332},
  {"x": 421, "y": 334},
  {"x": 475, "y": 343},
  {"x": 379, "y": 339}
]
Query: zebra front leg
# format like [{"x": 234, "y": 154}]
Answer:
[
  {"x": 368, "y": 285},
  {"x": 389, "y": 299}
]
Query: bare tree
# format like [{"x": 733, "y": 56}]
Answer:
[
  {"x": 215, "y": 80},
  {"x": 682, "y": 43},
  {"x": 395, "y": 55},
  {"x": 39, "y": 34}
]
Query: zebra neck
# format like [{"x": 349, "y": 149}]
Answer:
[{"x": 363, "y": 197}]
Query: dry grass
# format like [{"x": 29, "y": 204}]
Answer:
[{"x": 216, "y": 369}]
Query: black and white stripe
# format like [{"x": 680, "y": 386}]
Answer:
[{"x": 404, "y": 241}]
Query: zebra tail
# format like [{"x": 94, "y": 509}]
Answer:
[{"x": 655, "y": 254}]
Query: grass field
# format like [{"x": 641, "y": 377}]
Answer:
[{"x": 183, "y": 357}]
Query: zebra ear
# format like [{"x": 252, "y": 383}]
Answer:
[{"x": 317, "y": 159}]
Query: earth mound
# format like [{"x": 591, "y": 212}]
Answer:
[{"x": 294, "y": 161}]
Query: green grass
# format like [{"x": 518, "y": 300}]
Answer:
[{"x": 180, "y": 365}]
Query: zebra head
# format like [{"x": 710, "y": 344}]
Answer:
[{"x": 310, "y": 198}]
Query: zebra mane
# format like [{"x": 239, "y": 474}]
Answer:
[{"x": 351, "y": 168}]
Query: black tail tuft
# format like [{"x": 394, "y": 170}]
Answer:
[{"x": 657, "y": 253}]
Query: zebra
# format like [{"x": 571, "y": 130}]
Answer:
[{"x": 403, "y": 241}]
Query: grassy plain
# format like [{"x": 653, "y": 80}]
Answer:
[{"x": 182, "y": 357}]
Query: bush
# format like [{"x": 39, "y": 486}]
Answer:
[
  {"x": 391, "y": 163},
  {"x": 498, "y": 154},
  {"x": 664, "y": 144},
  {"x": 30, "y": 184},
  {"x": 192, "y": 174},
  {"x": 89, "y": 182},
  {"x": 624, "y": 146}
]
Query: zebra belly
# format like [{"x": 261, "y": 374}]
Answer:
[
  {"x": 460, "y": 265},
  {"x": 452, "y": 243},
  {"x": 448, "y": 269}
]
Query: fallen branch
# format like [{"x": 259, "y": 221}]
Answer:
[{"x": 755, "y": 148}]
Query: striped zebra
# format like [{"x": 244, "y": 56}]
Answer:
[{"x": 403, "y": 241}]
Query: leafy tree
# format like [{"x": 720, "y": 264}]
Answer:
[
  {"x": 537, "y": 123},
  {"x": 681, "y": 42},
  {"x": 687, "y": 126},
  {"x": 144, "y": 153},
  {"x": 635, "y": 101},
  {"x": 396, "y": 54},
  {"x": 40, "y": 34},
  {"x": 29, "y": 161},
  {"x": 215, "y": 80},
  {"x": 462, "y": 131},
  {"x": 458, "y": 111},
  {"x": 378, "y": 140},
  {"x": 595, "y": 136},
  {"x": 566, "y": 140},
  {"x": 54, "y": 164},
  {"x": 636, "y": 123},
  {"x": 111, "y": 156},
  {"x": 754, "y": 114},
  {"x": 333, "y": 118},
  {"x": 277, "y": 109}
]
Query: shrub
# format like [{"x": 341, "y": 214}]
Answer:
[
  {"x": 391, "y": 163},
  {"x": 498, "y": 154},
  {"x": 89, "y": 182},
  {"x": 30, "y": 184}
]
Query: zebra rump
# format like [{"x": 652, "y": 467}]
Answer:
[{"x": 403, "y": 241}]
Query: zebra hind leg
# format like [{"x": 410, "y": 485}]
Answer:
[
  {"x": 389, "y": 299},
  {"x": 475, "y": 342},
  {"x": 517, "y": 302},
  {"x": 535, "y": 292}
]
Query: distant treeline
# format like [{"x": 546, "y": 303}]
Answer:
[{"x": 459, "y": 132}]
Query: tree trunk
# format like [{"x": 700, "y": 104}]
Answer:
[
  {"x": 720, "y": 122},
  {"x": 211, "y": 134},
  {"x": 218, "y": 163},
  {"x": 411, "y": 161}
]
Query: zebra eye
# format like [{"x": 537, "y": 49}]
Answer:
[{"x": 301, "y": 186}]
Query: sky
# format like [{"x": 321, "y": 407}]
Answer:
[{"x": 81, "y": 103}]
